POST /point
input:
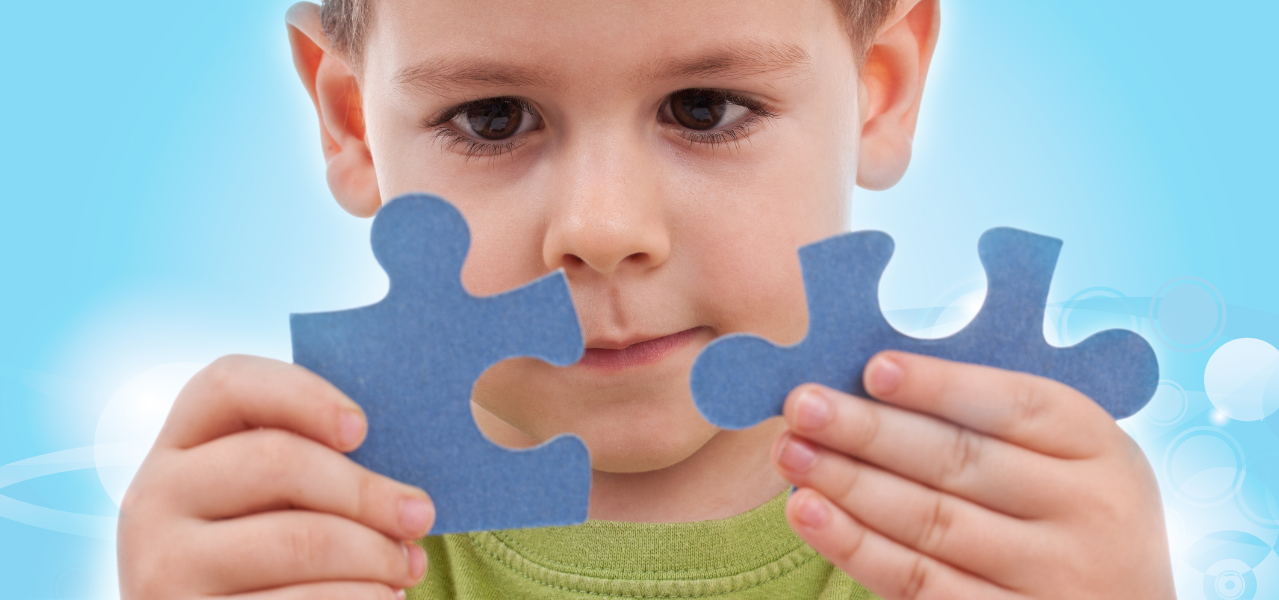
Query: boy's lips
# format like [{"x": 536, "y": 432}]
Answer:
[{"x": 639, "y": 353}]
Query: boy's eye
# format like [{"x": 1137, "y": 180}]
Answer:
[
  {"x": 700, "y": 110},
  {"x": 495, "y": 118}
]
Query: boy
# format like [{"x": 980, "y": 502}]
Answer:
[{"x": 670, "y": 157}]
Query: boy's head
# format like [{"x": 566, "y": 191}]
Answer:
[{"x": 669, "y": 156}]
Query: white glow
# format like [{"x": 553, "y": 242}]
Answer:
[{"x": 131, "y": 421}]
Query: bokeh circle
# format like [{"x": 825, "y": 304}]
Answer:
[
  {"x": 1231, "y": 585},
  {"x": 1187, "y": 314},
  {"x": 1092, "y": 310},
  {"x": 1204, "y": 466},
  {"x": 1242, "y": 379},
  {"x": 1168, "y": 405},
  {"x": 1230, "y": 579}
]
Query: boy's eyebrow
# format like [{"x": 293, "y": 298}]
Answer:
[
  {"x": 445, "y": 75},
  {"x": 740, "y": 60},
  {"x": 450, "y": 75}
]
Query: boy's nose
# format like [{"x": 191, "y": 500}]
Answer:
[{"x": 611, "y": 214}]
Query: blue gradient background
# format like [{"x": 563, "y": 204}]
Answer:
[{"x": 165, "y": 202}]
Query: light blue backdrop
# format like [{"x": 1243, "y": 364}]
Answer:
[{"x": 165, "y": 204}]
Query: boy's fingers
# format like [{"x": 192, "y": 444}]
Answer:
[
  {"x": 885, "y": 567},
  {"x": 326, "y": 590},
  {"x": 280, "y": 548},
  {"x": 926, "y": 449},
  {"x": 933, "y": 523},
  {"x": 246, "y": 392},
  {"x": 265, "y": 470},
  {"x": 1026, "y": 410}
]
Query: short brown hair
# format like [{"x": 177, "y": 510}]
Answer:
[{"x": 346, "y": 23}]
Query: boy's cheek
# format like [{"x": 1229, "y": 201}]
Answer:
[
  {"x": 503, "y": 253},
  {"x": 755, "y": 287}
]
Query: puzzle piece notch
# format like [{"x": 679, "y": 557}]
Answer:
[
  {"x": 411, "y": 361},
  {"x": 741, "y": 379}
]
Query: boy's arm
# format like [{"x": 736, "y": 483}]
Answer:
[
  {"x": 973, "y": 482},
  {"x": 246, "y": 495}
]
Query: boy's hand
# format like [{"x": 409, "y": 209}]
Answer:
[
  {"x": 972, "y": 482},
  {"x": 246, "y": 494}
]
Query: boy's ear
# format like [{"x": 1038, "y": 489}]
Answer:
[
  {"x": 334, "y": 89},
  {"x": 892, "y": 83}
]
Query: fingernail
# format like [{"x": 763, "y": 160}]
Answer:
[
  {"x": 814, "y": 411},
  {"x": 417, "y": 561},
  {"x": 883, "y": 375},
  {"x": 416, "y": 515},
  {"x": 812, "y": 512},
  {"x": 796, "y": 456},
  {"x": 401, "y": 594},
  {"x": 350, "y": 428}
]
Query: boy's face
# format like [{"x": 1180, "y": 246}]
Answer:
[{"x": 670, "y": 157}]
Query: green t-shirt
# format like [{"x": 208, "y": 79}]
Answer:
[{"x": 754, "y": 555}]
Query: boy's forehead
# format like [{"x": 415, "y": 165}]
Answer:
[{"x": 447, "y": 46}]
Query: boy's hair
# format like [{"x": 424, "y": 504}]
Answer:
[{"x": 346, "y": 24}]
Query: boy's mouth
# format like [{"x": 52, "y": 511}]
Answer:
[{"x": 638, "y": 353}]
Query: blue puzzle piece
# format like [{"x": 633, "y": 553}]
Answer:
[
  {"x": 411, "y": 362},
  {"x": 740, "y": 379}
]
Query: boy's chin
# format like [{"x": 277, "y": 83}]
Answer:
[
  {"x": 626, "y": 445},
  {"x": 639, "y": 451},
  {"x": 622, "y": 438}
]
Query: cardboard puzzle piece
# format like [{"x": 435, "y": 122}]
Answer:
[
  {"x": 411, "y": 361},
  {"x": 741, "y": 379}
]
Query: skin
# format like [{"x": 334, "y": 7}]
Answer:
[{"x": 960, "y": 482}]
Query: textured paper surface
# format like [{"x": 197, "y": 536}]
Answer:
[
  {"x": 411, "y": 362},
  {"x": 741, "y": 379}
]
